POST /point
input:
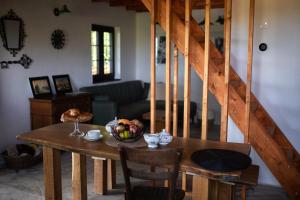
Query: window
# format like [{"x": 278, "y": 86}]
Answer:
[{"x": 102, "y": 48}]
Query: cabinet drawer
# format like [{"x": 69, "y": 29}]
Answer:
[
  {"x": 45, "y": 112},
  {"x": 39, "y": 121},
  {"x": 41, "y": 108}
]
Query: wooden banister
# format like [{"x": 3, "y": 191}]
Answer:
[
  {"x": 224, "y": 113},
  {"x": 153, "y": 67},
  {"x": 168, "y": 67},
  {"x": 206, "y": 70},
  {"x": 175, "y": 93},
  {"x": 187, "y": 70},
  {"x": 249, "y": 70}
]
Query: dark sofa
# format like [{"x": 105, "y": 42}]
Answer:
[{"x": 125, "y": 100}]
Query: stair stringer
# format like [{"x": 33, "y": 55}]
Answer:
[{"x": 285, "y": 170}]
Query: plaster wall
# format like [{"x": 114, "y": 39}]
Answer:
[
  {"x": 276, "y": 71},
  {"x": 73, "y": 59}
]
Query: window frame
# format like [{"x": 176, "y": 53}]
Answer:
[{"x": 101, "y": 77}]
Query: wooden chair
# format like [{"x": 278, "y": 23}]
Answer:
[{"x": 167, "y": 158}]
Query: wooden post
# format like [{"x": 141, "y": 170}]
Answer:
[
  {"x": 249, "y": 69},
  {"x": 168, "y": 66},
  {"x": 153, "y": 68},
  {"x": 224, "y": 118},
  {"x": 187, "y": 71},
  {"x": 200, "y": 188},
  {"x": 52, "y": 173},
  {"x": 187, "y": 79},
  {"x": 111, "y": 174},
  {"x": 100, "y": 171},
  {"x": 79, "y": 180},
  {"x": 206, "y": 70},
  {"x": 175, "y": 93}
]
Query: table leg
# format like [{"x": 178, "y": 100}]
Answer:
[
  {"x": 200, "y": 188},
  {"x": 225, "y": 191},
  {"x": 206, "y": 189},
  {"x": 111, "y": 179},
  {"x": 79, "y": 180},
  {"x": 52, "y": 173},
  {"x": 100, "y": 176}
]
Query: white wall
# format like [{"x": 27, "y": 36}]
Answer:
[
  {"x": 73, "y": 59},
  {"x": 143, "y": 64},
  {"x": 276, "y": 71}
]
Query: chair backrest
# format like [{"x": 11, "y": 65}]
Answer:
[{"x": 164, "y": 158}]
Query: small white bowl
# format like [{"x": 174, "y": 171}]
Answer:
[
  {"x": 152, "y": 140},
  {"x": 93, "y": 134},
  {"x": 110, "y": 125},
  {"x": 165, "y": 139}
]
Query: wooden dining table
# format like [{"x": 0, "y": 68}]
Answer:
[{"x": 55, "y": 138}]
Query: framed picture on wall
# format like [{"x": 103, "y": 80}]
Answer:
[
  {"x": 62, "y": 84},
  {"x": 40, "y": 86},
  {"x": 161, "y": 50}
]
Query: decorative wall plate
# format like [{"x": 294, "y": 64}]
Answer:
[{"x": 58, "y": 39}]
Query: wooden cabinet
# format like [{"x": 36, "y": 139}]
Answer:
[{"x": 47, "y": 111}]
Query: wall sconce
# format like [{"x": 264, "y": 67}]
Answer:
[{"x": 58, "y": 11}]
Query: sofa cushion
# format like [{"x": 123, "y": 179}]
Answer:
[
  {"x": 146, "y": 90},
  {"x": 101, "y": 98},
  {"x": 134, "y": 110},
  {"x": 122, "y": 93}
]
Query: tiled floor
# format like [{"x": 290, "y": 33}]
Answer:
[{"x": 28, "y": 184}]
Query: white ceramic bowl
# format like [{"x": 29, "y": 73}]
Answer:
[
  {"x": 152, "y": 140},
  {"x": 165, "y": 139},
  {"x": 110, "y": 125},
  {"x": 93, "y": 134}
]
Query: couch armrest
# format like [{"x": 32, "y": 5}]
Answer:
[{"x": 103, "y": 111}]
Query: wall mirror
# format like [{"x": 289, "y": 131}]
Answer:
[{"x": 12, "y": 32}]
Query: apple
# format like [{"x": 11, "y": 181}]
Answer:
[{"x": 120, "y": 128}]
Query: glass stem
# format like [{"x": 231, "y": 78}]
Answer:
[{"x": 76, "y": 128}]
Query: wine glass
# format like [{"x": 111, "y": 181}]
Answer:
[{"x": 76, "y": 131}]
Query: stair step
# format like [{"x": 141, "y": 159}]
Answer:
[
  {"x": 235, "y": 83},
  {"x": 218, "y": 61},
  {"x": 292, "y": 156},
  {"x": 254, "y": 106},
  {"x": 271, "y": 130},
  {"x": 201, "y": 39}
]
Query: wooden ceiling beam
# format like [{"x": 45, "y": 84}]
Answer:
[{"x": 138, "y": 6}]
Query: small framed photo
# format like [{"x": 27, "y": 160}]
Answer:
[
  {"x": 62, "y": 84},
  {"x": 40, "y": 86}
]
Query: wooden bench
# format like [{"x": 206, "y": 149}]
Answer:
[{"x": 249, "y": 178}]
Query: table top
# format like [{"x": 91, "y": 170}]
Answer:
[{"x": 57, "y": 136}]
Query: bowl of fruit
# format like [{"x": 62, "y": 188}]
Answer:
[{"x": 128, "y": 131}]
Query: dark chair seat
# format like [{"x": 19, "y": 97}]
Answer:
[{"x": 155, "y": 193}]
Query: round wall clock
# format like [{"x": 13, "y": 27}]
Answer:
[{"x": 58, "y": 39}]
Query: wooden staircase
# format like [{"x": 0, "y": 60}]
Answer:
[{"x": 265, "y": 136}]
